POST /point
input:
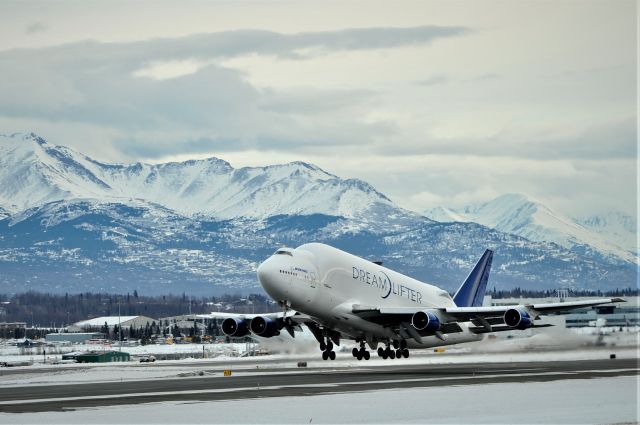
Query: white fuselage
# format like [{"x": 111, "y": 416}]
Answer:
[{"x": 325, "y": 283}]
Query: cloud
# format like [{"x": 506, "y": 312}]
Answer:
[
  {"x": 434, "y": 80},
  {"x": 600, "y": 140},
  {"x": 170, "y": 95},
  {"x": 460, "y": 133},
  {"x": 36, "y": 27},
  {"x": 173, "y": 96}
]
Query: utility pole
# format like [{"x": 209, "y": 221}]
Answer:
[{"x": 119, "y": 329}]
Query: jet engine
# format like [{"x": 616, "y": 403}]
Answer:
[
  {"x": 425, "y": 321},
  {"x": 234, "y": 327},
  {"x": 264, "y": 327},
  {"x": 517, "y": 318}
]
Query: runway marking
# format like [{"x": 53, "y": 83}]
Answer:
[{"x": 276, "y": 387}]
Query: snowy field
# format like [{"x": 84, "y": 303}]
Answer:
[
  {"x": 600, "y": 400},
  {"x": 556, "y": 345},
  {"x": 594, "y": 401},
  {"x": 121, "y": 372}
]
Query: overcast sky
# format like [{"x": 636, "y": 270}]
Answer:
[{"x": 434, "y": 103}]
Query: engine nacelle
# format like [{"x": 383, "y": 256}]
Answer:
[
  {"x": 235, "y": 327},
  {"x": 517, "y": 318},
  {"x": 264, "y": 327},
  {"x": 425, "y": 321}
]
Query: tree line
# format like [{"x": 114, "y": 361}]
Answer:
[
  {"x": 42, "y": 310},
  {"x": 58, "y": 310},
  {"x": 553, "y": 293}
]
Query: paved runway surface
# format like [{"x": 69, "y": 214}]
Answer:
[{"x": 300, "y": 382}]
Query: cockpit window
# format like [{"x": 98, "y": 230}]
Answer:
[{"x": 283, "y": 252}]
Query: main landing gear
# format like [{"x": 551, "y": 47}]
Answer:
[
  {"x": 398, "y": 351},
  {"x": 361, "y": 353},
  {"x": 327, "y": 350}
]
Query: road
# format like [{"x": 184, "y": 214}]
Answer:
[{"x": 300, "y": 382}]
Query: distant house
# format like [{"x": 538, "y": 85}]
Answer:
[
  {"x": 27, "y": 343},
  {"x": 111, "y": 321}
]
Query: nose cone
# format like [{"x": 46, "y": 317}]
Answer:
[
  {"x": 262, "y": 273},
  {"x": 268, "y": 278}
]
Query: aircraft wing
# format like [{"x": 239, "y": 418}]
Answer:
[
  {"x": 485, "y": 319},
  {"x": 468, "y": 313},
  {"x": 221, "y": 315}
]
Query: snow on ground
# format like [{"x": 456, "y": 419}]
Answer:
[
  {"x": 604, "y": 400},
  {"x": 54, "y": 353},
  {"x": 120, "y": 372},
  {"x": 551, "y": 345}
]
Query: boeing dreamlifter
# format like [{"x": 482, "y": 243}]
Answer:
[{"x": 340, "y": 296}]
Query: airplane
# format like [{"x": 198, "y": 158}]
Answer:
[{"x": 339, "y": 296}]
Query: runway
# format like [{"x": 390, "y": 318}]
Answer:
[{"x": 266, "y": 382}]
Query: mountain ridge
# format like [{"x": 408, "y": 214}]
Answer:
[
  {"x": 209, "y": 187},
  {"x": 524, "y": 216}
]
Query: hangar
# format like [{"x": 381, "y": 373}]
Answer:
[{"x": 103, "y": 357}]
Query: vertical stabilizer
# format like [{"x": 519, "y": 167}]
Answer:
[{"x": 471, "y": 292}]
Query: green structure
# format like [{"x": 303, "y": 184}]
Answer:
[{"x": 103, "y": 357}]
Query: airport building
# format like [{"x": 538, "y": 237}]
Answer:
[
  {"x": 186, "y": 322},
  {"x": 103, "y": 357},
  {"x": 111, "y": 321},
  {"x": 75, "y": 337},
  {"x": 13, "y": 329}
]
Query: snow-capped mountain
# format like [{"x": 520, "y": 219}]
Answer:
[
  {"x": 615, "y": 226},
  {"x": 520, "y": 215},
  {"x": 69, "y": 223},
  {"x": 33, "y": 172},
  {"x": 446, "y": 215}
]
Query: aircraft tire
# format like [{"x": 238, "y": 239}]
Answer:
[
  {"x": 392, "y": 354},
  {"x": 380, "y": 352},
  {"x": 323, "y": 346},
  {"x": 405, "y": 353},
  {"x": 332, "y": 355},
  {"x": 329, "y": 346},
  {"x": 354, "y": 352},
  {"x": 396, "y": 344},
  {"x": 325, "y": 355},
  {"x": 367, "y": 356},
  {"x": 398, "y": 353}
]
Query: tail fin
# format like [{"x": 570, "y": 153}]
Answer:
[{"x": 471, "y": 292}]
